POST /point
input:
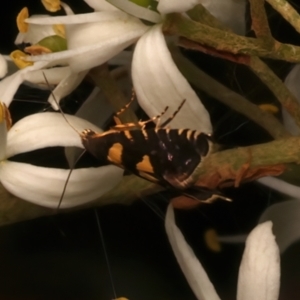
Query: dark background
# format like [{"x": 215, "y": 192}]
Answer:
[{"x": 62, "y": 257}]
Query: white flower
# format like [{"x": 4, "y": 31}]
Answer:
[
  {"x": 259, "y": 275},
  {"x": 97, "y": 37},
  {"x": 44, "y": 186}
]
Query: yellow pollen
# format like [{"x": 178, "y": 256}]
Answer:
[
  {"x": 21, "y": 24},
  {"x": 211, "y": 240},
  {"x": 270, "y": 108},
  {"x": 19, "y": 58},
  {"x": 51, "y": 5}
]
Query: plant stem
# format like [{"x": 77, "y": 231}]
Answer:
[{"x": 287, "y": 12}]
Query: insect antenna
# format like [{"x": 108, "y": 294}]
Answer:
[
  {"x": 62, "y": 113},
  {"x": 78, "y": 158},
  {"x": 174, "y": 114},
  {"x": 105, "y": 253},
  {"x": 67, "y": 180},
  {"x": 126, "y": 106}
]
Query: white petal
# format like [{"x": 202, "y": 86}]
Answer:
[
  {"x": 53, "y": 75},
  {"x": 292, "y": 83},
  {"x": 10, "y": 84},
  {"x": 45, "y": 130},
  {"x": 104, "y": 16},
  {"x": 158, "y": 83},
  {"x": 259, "y": 275},
  {"x": 44, "y": 186},
  {"x": 100, "y": 5},
  {"x": 188, "y": 262},
  {"x": 68, "y": 84},
  {"x": 172, "y": 6},
  {"x": 93, "y": 44},
  {"x": 106, "y": 39},
  {"x": 286, "y": 222},
  {"x": 280, "y": 186},
  {"x": 3, "y": 66},
  {"x": 231, "y": 12}
]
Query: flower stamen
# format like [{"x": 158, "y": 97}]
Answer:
[
  {"x": 21, "y": 17},
  {"x": 51, "y": 5},
  {"x": 19, "y": 58}
]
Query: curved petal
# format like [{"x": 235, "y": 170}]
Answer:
[
  {"x": 231, "y": 12},
  {"x": 45, "y": 130},
  {"x": 111, "y": 38},
  {"x": 172, "y": 6},
  {"x": 10, "y": 84},
  {"x": 286, "y": 220},
  {"x": 53, "y": 75},
  {"x": 280, "y": 186},
  {"x": 259, "y": 275},
  {"x": 44, "y": 186},
  {"x": 3, "y": 66},
  {"x": 292, "y": 83},
  {"x": 103, "y": 16},
  {"x": 188, "y": 262},
  {"x": 101, "y": 40},
  {"x": 158, "y": 83}
]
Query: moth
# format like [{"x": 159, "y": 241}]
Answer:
[{"x": 168, "y": 157}]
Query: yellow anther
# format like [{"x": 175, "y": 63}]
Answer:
[
  {"x": 5, "y": 115},
  {"x": 121, "y": 298},
  {"x": 22, "y": 25},
  {"x": 51, "y": 5},
  {"x": 19, "y": 58},
  {"x": 270, "y": 108},
  {"x": 37, "y": 50},
  {"x": 60, "y": 30},
  {"x": 211, "y": 240}
]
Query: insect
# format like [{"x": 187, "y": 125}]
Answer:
[{"x": 168, "y": 157}]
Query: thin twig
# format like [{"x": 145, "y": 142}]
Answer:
[{"x": 287, "y": 12}]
